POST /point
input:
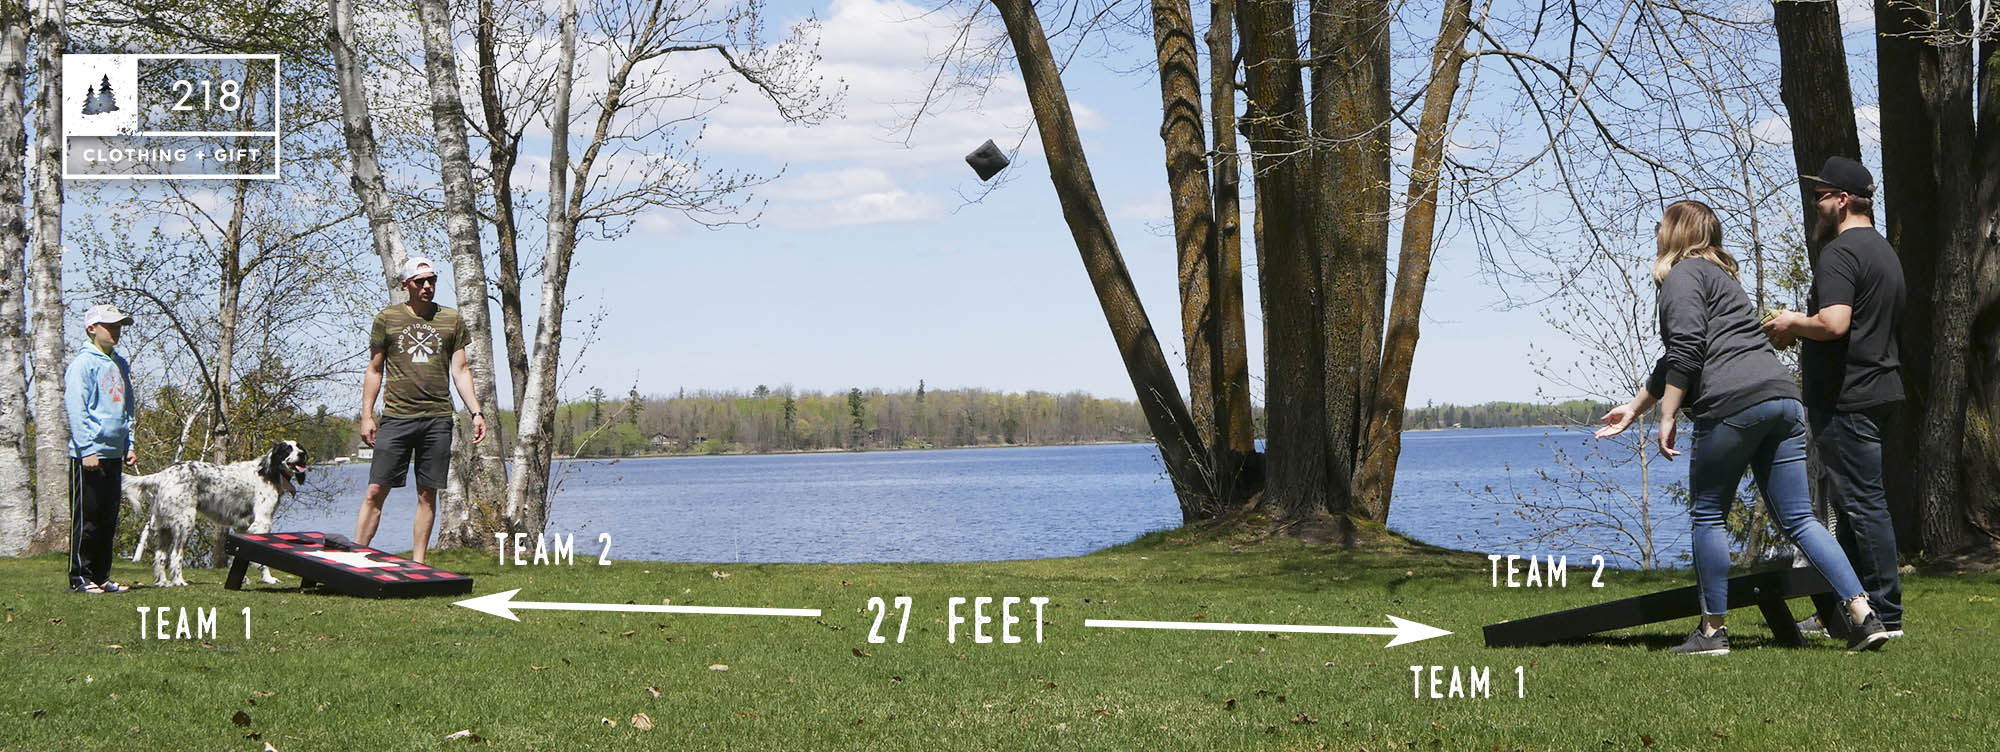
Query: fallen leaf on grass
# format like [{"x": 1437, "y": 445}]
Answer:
[
  {"x": 57, "y": 620},
  {"x": 719, "y": 574},
  {"x": 718, "y": 667},
  {"x": 642, "y": 722},
  {"x": 38, "y": 713},
  {"x": 465, "y": 734},
  {"x": 626, "y": 633},
  {"x": 116, "y": 647},
  {"x": 608, "y": 722},
  {"x": 654, "y": 691},
  {"x": 269, "y": 748},
  {"x": 859, "y": 653},
  {"x": 241, "y": 718},
  {"x": 1229, "y": 704},
  {"x": 1303, "y": 719},
  {"x": 1646, "y": 739}
]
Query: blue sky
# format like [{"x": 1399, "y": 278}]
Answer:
[{"x": 869, "y": 267}]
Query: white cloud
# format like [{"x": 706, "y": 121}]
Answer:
[
  {"x": 1776, "y": 129},
  {"x": 1868, "y": 122}
]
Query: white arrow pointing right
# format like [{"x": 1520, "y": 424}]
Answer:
[{"x": 1405, "y": 631}]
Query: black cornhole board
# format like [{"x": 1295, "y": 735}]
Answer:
[
  {"x": 294, "y": 553},
  {"x": 1768, "y": 590}
]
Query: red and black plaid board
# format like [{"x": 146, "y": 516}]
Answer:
[{"x": 359, "y": 571}]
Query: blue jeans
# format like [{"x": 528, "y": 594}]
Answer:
[
  {"x": 1851, "y": 446},
  {"x": 1770, "y": 438}
]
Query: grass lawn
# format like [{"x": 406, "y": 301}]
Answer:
[{"x": 329, "y": 672}]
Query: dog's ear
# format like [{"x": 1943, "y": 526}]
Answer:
[{"x": 273, "y": 466}]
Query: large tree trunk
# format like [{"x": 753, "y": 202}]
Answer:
[
  {"x": 17, "y": 493},
  {"x": 1194, "y": 234},
  {"x": 469, "y": 510},
  {"x": 503, "y": 151},
  {"x": 527, "y": 491},
  {"x": 1375, "y": 484},
  {"x": 1350, "y": 117},
  {"x": 1927, "y": 152},
  {"x": 45, "y": 287},
  {"x": 1982, "y": 421},
  {"x": 357, "y": 127},
  {"x": 1153, "y": 384},
  {"x": 1235, "y": 436},
  {"x": 1296, "y": 480}
]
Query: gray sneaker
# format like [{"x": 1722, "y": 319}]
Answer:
[
  {"x": 1868, "y": 635},
  {"x": 1705, "y": 644},
  {"x": 1811, "y": 627}
]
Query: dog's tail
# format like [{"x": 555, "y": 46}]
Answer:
[{"x": 138, "y": 492}]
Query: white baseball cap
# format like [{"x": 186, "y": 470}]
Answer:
[
  {"x": 105, "y": 314},
  {"x": 417, "y": 267}
]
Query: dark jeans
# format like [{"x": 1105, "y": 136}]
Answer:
[
  {"x": 1769, "y": 438},
  {"x": 93, "y": 518},
  {"x": 1850, "y": 446}
]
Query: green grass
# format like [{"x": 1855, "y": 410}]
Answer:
[{"x": 325, "y": 671}]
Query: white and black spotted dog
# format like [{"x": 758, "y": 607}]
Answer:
[{"x": 240, "y": 496}]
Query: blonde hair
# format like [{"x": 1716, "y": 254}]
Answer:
[{"x": 1688, "y": 230}]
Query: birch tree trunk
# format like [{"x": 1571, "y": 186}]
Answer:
[
  {"x": 17, "y": 493},
  {"x": 45, "y": 287},
  {"x": 527, "y": 491},
  {"x": 468, "y": 513},
  {"x": 229, "y": 303},
  {"x": 1152, "y": 379},
  {"x": 358, "y": 129}
]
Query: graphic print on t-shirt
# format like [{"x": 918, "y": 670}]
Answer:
[
  {"x": 420, "y": 342},
  {"x": 111, "y": 384}
]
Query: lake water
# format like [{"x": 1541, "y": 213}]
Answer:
[{"x": 988, "y": 504}]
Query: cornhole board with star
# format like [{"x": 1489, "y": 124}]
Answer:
[{"x": 339, "y": 565}]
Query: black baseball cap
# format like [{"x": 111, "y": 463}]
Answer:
[{"x": 1845, "y": 174}]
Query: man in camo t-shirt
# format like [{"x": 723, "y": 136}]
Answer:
[{"x": 416, "y": 354}]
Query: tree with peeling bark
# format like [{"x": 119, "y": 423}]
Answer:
[
  {"x": 635, "y": 159},
  {"x": 45, "y": 286},
  {"x": 469, "y": 510},
  {"x": 17, "y": 493}
]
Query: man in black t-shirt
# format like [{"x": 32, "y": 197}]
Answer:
[{"x": 1850, "y": 366}]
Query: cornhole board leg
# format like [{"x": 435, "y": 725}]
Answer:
[
  {"x": 1768, "y": 590},
  {"x": 238, "y": 567}
]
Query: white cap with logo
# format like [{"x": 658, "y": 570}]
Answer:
[
  {"x": 105, "y": 314},
  {"x": 416, "y": 267}
]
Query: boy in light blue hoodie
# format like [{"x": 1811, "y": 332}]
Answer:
[{"x": 97, "y": 390}]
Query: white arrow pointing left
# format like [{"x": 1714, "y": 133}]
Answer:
[{"x": 503, "y": 605}]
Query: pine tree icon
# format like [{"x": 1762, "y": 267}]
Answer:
[
  {"x": 90, "y": 106},
  {"x": 107, "y": 102}
]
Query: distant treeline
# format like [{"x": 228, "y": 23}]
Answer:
[
  {"x": 1504, "y": 414},
  {"x": 780, "y": 420}
]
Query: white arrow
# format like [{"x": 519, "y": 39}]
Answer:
[
  {"x": 1405, "y": 631},
  {"x": 503, "y": 605}
]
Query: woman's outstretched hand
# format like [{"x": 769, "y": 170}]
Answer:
[{"x": 1616, "y": 421}]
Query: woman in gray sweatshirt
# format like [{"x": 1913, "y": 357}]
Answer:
[{"x": 1720, "y": 367}]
